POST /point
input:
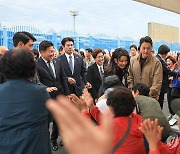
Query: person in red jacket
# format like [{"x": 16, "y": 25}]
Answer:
[
  {"x": 122, "y": 103},
  {"x": 153, "y": 134}
]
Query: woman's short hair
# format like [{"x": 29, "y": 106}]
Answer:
[
  {"x": 171, "y": 59},
  {"x": 96, "y": 52},
  {"x": 121, "y": 100},
  {"x": 17, "y": 64}
]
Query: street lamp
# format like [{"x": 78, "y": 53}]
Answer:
[{"x": 74, "y": 14}]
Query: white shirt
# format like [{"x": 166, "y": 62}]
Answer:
[
  {"x": 102, "y": 105},
  {"x": 67, "y": 56},
  {"x": 52, "y": 65}
]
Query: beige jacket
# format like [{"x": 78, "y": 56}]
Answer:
[{"x": 151, "y": 74}]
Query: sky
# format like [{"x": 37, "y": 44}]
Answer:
[{"x": 113, "y": 18}]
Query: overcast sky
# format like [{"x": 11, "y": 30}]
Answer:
[{"x": 114, "y": 18}]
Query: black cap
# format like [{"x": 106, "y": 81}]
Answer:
[{"x": 111, "y": 81}]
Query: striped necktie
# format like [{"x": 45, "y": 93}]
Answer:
[
  {"x": 71, "y": 64},
  {"x": 101, "y": 72}
]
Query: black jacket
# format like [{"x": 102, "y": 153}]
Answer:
[
  {"x": 60, "y": 82},
  {"x": 93, "y": 77}
]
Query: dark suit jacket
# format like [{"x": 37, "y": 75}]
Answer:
[
  {"x": 78, "y": 74},
  {"x": 166, "y": 72},
  {"x": 24, "y": 118},
  {"x": 93, "y": 77},
  {"x": 60, "y": 82}
]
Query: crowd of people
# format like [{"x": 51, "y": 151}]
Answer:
[{"x": 98, "y": 102}]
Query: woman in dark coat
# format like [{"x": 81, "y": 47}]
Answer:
[{"x": 118, "y": 65}]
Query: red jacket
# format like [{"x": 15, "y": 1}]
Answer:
[
  {"x": 165, "y": 149},
  {"x": 134, "y": 143}
]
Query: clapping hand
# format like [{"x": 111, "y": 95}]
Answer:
[
  {"x": 80, "y": 136},
  {"x": 152, "y": 132}
]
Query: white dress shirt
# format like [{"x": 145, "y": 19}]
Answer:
[{"x": 67, "y": 56}]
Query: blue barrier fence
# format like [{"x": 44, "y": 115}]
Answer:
[{"x": 6, "y": 35}]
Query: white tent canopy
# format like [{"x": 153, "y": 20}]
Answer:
[{"x": 170, "y": 5}]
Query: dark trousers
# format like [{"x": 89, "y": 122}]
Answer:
[
  {"x": 54, "y": 134},
  {"x": 161, "y": 100},
  {"x": 169, "y": 98}
]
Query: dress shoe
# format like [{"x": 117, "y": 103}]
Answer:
[{"x": 54, "y": 145}]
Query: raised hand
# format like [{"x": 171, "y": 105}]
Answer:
[
  {"x": 80, "y": 136},
  {"x": 78, "y": 102},
  {"x": 88, "y": 99},
  {"x": 152, "y": 132}
]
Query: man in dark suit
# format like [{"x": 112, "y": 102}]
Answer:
[
  {"x": 95, "y": 72},
  {"x": 162, "y": 53},
  {"x": 74, "y": 67},
  {"x": 51, "y": 73}
]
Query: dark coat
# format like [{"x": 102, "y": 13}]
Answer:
[
  {"x": 24, "y": 118},
  {"x": 94, "y": 78},
  {"x": 79, "y": 73},
  {"x": 60, "y": 82}
]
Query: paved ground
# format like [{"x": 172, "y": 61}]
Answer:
[
  {"x": 165, "y": 106},
  {"x": 61, "y": 149}
]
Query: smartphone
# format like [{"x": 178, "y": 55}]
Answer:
[{"x": 172, "y": 121}]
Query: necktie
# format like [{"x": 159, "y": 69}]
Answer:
[
  {"x": 71, "y": 63},
  {"x": 101, "y": 72},
  {"x": 50, "y": 69}
]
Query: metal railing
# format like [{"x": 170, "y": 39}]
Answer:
[{"x": 81, "y": 42}]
